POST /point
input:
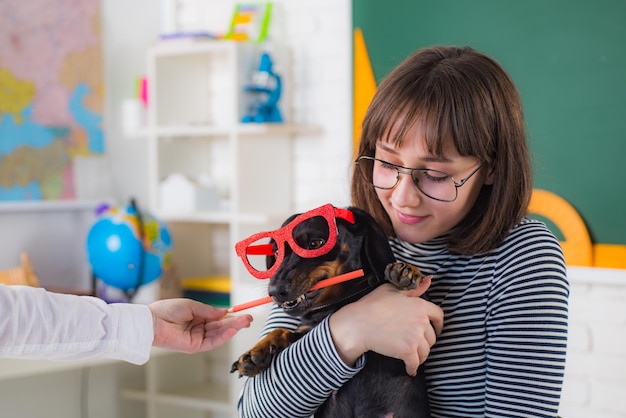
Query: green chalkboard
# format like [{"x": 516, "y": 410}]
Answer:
[{"x": 568, "y": 59}]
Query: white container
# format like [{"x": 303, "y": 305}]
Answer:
[{"x": 179, "y": 194}]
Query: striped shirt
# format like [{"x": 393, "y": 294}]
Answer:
[{"x": 501, "y": 352}]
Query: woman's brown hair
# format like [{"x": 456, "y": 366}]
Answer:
[{"x": 463, "y": 96}]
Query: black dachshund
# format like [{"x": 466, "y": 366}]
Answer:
[{"x": 382, "y": 388}]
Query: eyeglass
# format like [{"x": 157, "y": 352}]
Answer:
[
  {"x": 433, "y": 183},
  {"x": 272, "y": 243}
]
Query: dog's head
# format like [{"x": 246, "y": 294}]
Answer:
[{"x": 360, "y": 245}]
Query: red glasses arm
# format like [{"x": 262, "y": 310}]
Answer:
[{"x": 260, "y": 249}]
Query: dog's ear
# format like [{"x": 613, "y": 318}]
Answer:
[
  {"x": 291, "y": 218},
  {"x": 377, "y": 251}
]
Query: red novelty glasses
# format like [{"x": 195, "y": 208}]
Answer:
[{"x": 272, "y": 243}]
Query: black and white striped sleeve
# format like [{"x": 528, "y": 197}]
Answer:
[
  {"x": 527, "y": 316},
  {"x": 299, "y": 379}
]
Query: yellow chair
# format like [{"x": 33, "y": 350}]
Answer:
[{"x": 24, "y": 274}]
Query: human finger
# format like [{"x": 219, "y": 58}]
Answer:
[
  {"x": 204, "y": 311},
  {"x": 430, "y": 335},
  {"x": 435, "y": 313},
  {"x": 238, "y": 322},
  {"x": 423, "y": 350},
  {"x": 411, "y": 362},
  {"x": 215, "y": 328},
  {"x": 436, "y": 316}
]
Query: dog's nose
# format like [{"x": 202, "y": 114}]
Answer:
[{"x": 279, "y": 293}]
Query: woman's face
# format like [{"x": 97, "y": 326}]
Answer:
[{"x": 416, "y": 217}]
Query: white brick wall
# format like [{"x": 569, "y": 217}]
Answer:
[
  {"x": 319, "y": 36},
  {"x": 595, "y": 376}
]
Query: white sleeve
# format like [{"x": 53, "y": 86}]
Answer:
[{"x": 38, "y": 324}]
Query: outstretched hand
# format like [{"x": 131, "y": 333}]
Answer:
[{"x": 189, "y": 326}]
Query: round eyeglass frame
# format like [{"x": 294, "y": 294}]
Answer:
[{"x": 409, "y": 171}]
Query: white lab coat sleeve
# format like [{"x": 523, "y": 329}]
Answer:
[{"x": 35, "y": 323}]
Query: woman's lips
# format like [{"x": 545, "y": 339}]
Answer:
[{"x": 409, "y": 219}]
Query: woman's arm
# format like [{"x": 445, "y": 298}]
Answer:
[
  {"x": 527, "y": 332},
  {"x": 300, "y": 378}
]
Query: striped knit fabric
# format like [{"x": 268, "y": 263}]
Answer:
[{"x": 501, "y": 353}]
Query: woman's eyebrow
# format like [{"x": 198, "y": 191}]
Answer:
[
  {"x": 431, "y": 158},
  {"x": 437, "y": 159},
  {"x": 386, "y": 148}
]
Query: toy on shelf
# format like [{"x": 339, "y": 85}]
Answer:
[
  {"x": 23, "y": 275},
  {"x": 267, "y": 87},
  {"x": 250, "y": 22},
  {"x": 127, "y": 250}
]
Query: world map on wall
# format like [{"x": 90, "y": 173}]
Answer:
[{"x": 51, "y": 95}]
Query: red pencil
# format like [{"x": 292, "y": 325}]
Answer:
[{"x": 323, "y": 283}]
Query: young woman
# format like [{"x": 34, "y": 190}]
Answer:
[{"x": 444, "y": 167}]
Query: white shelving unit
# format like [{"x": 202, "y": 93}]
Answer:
[
  {"x": 186, "y": 385},
  {"x": 196, "y": 101}
]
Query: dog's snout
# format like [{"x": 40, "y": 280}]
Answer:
[{"x": 278, "y": 292}]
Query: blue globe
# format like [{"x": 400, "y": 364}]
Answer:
[{"x": 117, "y": 254}]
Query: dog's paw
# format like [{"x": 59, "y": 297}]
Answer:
[
  {"x": 257, "y": 359},
  {"x": 254, "y": 361},
  {"x": 403, "y": 275}
]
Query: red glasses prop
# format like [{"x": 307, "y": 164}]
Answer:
[{"x": 256, "y": 245}]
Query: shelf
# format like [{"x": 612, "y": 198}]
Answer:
[
  {"x": 206, "y": 396},
  {"x": 188, "y": 131},
  {"x": 215, "y": 217},
  {"x": 267, "y": 129},
  {"x": 248, "y": 129},
  {"x": 51, "y": 205},
  {"x": 194, "y": 129},
  {"x": 171, "y": 48},
  {"x": 11, "y": 368},
  {"x": 20, "y": 368}
]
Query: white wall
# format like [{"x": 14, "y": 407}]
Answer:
[
  {"x": 129, "y": 28},
  {"x": 595, "y": 374}
]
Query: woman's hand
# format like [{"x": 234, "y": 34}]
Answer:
[
  {"x": 395, "y": 323},
  {"x": 189, "y": 326}
]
